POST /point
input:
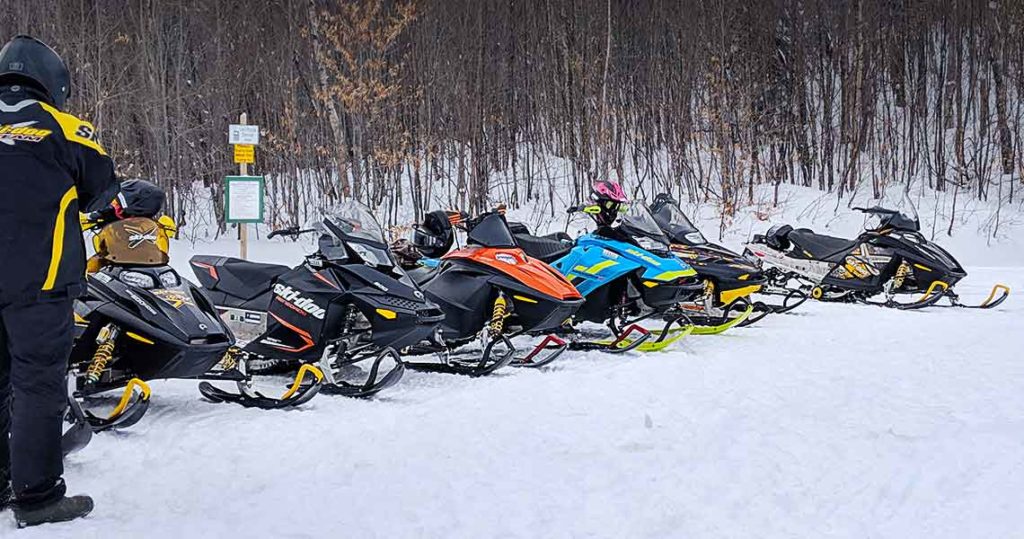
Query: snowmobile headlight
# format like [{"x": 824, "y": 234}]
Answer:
[
  {"x": 137, "y": 279},
  {"x": 169, "y": 279},
  {"x": 649, "y": 244},
  {"x": 695, "y": 238}
]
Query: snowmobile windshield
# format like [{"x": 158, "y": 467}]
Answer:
[
  {"x": 348, "y": 230},
  {"x": 491, "y": 230},
  {"x": 638, "y": 222},
  {"x": 354, "y": 222},
  {"x": 900, "y": 214},
  {"x": 676, "y": 225}
]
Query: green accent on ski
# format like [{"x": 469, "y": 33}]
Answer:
[
  {"x": 675, "y": 335},
  {"x": 721, "y": 328}
]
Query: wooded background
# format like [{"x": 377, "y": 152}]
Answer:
[{"x": 409, "y": 103}]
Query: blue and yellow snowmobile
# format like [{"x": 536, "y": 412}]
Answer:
[{"x": 625, "y": 272}]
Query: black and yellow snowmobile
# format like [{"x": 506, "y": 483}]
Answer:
[
  {"x": 139, "y": 320},
  {"x": 891, "y": 259},
  {"x": 732, "y": 282}
]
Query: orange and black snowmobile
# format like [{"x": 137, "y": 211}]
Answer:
[{"x": 490, "y": 292}]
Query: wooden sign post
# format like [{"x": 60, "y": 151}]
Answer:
[{"x": 243, "y": 194}]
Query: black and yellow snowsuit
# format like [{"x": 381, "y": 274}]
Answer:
[{"x": 51, "y": 167}]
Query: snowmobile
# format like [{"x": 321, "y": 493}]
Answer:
[
  {"x": 624, "y": 271},
  {"x": 490, "y": 292},
  {"x": 347, "y": 305},
  {"x": 139, "y": 320},
  {"x": 891, "y": 257},
  {"x": 731, "y": 280}
]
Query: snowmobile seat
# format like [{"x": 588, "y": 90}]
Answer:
[
  {"x": 235, "y": 277},
  {"x": 810, "y": 245},
  {"x": 545, "y": 248},
  {"x": 421, "y": 274}
]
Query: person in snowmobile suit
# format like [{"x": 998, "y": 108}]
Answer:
[
  {"x": 610, "y": 197},
  {"x": 52, "y": 169}
]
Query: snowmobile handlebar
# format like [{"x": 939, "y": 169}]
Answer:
[
  {"x": 291, "y": 232},
  {"x": 876, "y": 210}
]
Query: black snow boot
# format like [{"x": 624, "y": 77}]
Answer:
[{"x": 62, "y": 510}]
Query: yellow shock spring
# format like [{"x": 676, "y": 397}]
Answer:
[
  {"x": 230, "y": 359},
  {"x": 901, "y": 275},
  {"x": 498, "y": 315},
  {"x": 104, "y": 353}
]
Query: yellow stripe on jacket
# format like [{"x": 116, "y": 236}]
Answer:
[{"x": 57, "y": 251}]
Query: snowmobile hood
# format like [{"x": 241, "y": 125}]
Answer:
[
  {"x": 516, "y": 264},
  {"x": 178, "y": 314},
  {"x": 719, "y": 261},
  {"x": 655, "y": 267},
  {"x": 377, "y": 282}
]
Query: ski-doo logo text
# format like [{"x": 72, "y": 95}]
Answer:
[
  {"x": 22, "y": 132},
  {"x": 293, "y": 297},
  {"x": 137, "y": 236}
]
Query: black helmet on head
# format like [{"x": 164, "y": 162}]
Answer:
[
  {"x": 435, "y": 236},
  {"x": 27, "y": 61}
]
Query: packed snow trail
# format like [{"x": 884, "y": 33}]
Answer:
[{"x": 834, "y": 421}]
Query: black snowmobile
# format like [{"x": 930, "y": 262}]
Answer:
[
  {"x": 490, "y": 292},
  {"x": 891, "y": 257},
  {"x": 139, "y": 320},
  {"x": 731, "y": 279},
  {"x": 348, "y": 303}
]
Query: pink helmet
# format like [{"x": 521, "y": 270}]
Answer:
[{"x": 608, "y": 191}]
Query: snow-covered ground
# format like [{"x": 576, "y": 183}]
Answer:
[{"x": 833, "y": 421}]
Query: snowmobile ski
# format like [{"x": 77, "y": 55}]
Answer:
[
  {"x": 622, "y": 343},
  {"x": 791, "y": 299},
  {"x": 79, "y": 434},
  {"x": 727, "y": 324},
  {"x": 299, "y": 392},
  {"x": 374, "y": 382},
  {"x": 666, "y": 336},
  {"x": 130, "y": 408},
  {"x": 491, "y": 359},
  {"x": 996, "y": 296},
  {"x": 555, "y": 344}
]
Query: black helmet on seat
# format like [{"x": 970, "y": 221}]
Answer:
[
  {"x": 435, "y": 236},
  {"x": 141, "y": 198},
  {"x": 27, "y": 61}
]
